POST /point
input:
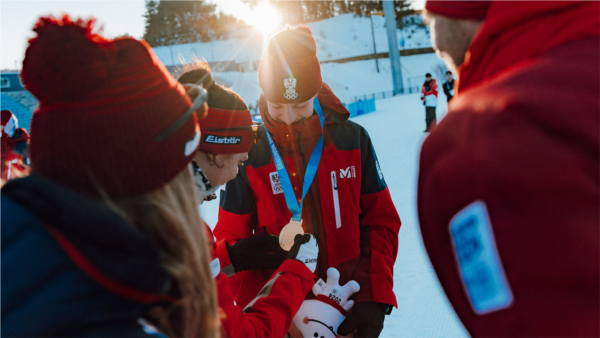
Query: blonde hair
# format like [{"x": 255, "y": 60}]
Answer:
[{"x": 170, "y": 219}]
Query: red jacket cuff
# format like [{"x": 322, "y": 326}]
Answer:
[
  {"x": 297, "y": 267},
  {"x": 222, "y": 254}
]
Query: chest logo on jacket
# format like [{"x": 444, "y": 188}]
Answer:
[
  {"x": 348, "y": 172},
  {"x": 275, "y": 183}
]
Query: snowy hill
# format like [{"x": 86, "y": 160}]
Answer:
[
  {"x": 350, "y": 79},
  {"x": 337, "y": 37},
  {"x": 396, "y": 129}
]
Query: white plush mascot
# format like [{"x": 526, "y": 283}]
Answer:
[{"x": 320, "y": 317}]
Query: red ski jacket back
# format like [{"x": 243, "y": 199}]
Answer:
[
  {"x": 348, "y": 207},
  {"x": 521, "y": 138}
]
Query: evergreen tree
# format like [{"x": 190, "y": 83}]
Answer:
[{"x": 178, "y": 22}]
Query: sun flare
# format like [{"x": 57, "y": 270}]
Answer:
[{"x": 265, "y": 18}]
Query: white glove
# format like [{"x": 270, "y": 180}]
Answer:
[{"x": 306, "y": 250}]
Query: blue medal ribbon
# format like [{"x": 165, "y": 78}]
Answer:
[{"x": 309, "y": 175}]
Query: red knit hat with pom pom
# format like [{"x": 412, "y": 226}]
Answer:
[
  {"x": 290, "y": 71},
  {"x": 102, "y": 104}
]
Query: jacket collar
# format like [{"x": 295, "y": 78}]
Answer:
[{"x": 287, "y": 136}]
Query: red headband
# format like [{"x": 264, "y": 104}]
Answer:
[{"x": 226, "y": 132}]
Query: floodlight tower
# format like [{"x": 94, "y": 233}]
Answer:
[{"x": 390, "y": 24}]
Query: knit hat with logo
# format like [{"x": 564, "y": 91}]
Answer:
[
  {"x": 290, "y": 71},
  {"x": 226, "y": 132},
  {"x": 465, "y": 10},
  {"x": 104, "y": 107}
]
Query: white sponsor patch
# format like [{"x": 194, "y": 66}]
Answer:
[
  {"x": 215, "y": 267},
  {"x": 191, "y": 145},
  {"x": 478, "y": 260},
  {"x": 275, "y": 183}
]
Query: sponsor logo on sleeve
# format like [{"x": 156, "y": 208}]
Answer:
[
  {"x": 275, "y": 183},
  {"x": 215, "y": 139},
  {"x": 379, "y": 172},
  {"x": 478, "y": 261}
]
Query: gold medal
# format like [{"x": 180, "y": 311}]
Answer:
[{"x": 288, "y": 233}]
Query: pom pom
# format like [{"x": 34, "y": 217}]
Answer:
[
  {"x": 66, "y": 60},
  {"x": 295, "y": 44}
]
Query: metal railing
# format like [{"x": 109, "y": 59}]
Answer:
[{"x": 385, "y": 95}]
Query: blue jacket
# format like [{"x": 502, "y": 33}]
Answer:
[{"x": 72, "y": 267}]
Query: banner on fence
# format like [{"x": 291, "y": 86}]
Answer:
[{"x": 361, "y": 107}]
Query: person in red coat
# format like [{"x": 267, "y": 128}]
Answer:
[
  {"x": 14, "y": 147},
  {"x": 270, "y": 313},
  {"x": 429, "y": 93},
  {"x": 347, "y": 205},
  {"x": 508, "y": 189}
]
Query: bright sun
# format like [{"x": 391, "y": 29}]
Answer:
[{"x": 264, "y": 18}]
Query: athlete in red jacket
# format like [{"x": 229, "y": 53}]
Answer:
[
  {"x": 508, "y": 192},
  {"x": 14, "y": 147},
  {"x": 429, "y": 93},
  {"x": 271, "y": 312},
  {"x": 348, "y": 207}
]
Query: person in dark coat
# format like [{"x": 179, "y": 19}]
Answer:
[
  {"x": 449, "y": 86},
  {"x": 508, "y": 189},
  {"x": 103, "y": 238}
]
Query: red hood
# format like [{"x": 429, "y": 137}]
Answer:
[
  {"x": 513, "y": 32},
  {"x": 283, "y": 133}
]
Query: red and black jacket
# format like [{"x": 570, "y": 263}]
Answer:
[{"x": 348, "y": 207}]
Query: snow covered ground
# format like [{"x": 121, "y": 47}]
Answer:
[
  {"x": 333, "y": 42},
  {"x": 350, "y": 79},
  {"x": 396, "y": 129}
]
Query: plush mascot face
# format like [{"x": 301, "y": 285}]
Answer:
[
  {"x": 317, "y": 319},
  {"x": 321, "y": 317}
]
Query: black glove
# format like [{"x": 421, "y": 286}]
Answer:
[
  {"x": 258, "y": 252},
  {"x": 366, "y": 318}
]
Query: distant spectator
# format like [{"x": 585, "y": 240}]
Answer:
[
  {"x": 251, "y": 109},
  {"x": 429, "y": 94},
  {"x": 449, "y": 86},
  {"x": 14, "y": 146}
]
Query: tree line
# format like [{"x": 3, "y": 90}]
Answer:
[{"x": 177, "y": 22}]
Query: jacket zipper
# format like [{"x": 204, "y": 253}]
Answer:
[
  {"x": 336, "y": 201},
  {"x": 312, "y": 209}
]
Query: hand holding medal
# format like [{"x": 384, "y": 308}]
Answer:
[{"x": 289, "y": 232}]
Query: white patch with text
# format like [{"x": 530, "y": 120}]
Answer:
[{"x": 478, "y": 261}]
